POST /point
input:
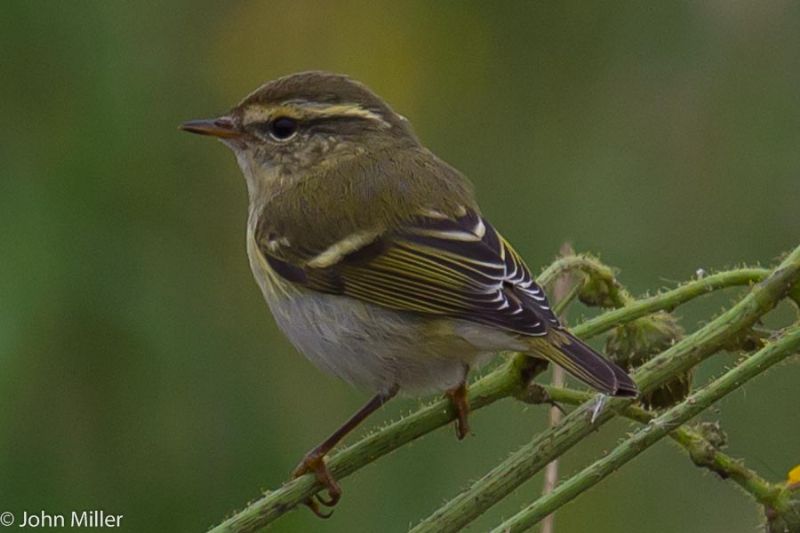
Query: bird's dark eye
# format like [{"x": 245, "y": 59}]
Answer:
[{"x": 283, "y": 128}]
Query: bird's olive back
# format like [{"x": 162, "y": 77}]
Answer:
[{"x": 379, "y": 190}]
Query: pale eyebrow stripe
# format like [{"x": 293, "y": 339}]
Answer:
[
  {"x": 313, "y": 110},
  {"x": 343, "y": 110}
]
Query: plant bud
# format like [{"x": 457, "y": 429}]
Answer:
[
  {"x": 633, "y": 344},
  {"x": 788, "y": 519},
  {"x": 599, "y": 292},
  {"x": 713, "y": 433}
]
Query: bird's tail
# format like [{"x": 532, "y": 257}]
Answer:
[{"x": 580, "y": 360}]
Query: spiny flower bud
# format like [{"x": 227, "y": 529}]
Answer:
[
  {"x": 785, "y": 518},
  {"x": 713, "y": 433},
  {"x": 633, "y": 344},
  {"x": 600, "y": 291}
]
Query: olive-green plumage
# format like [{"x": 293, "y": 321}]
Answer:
[
  {"x": 372, "y": 252},
  {"x": 361, "y": 193}
]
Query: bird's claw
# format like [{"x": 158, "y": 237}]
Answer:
[{"x": 315, "y": 463}]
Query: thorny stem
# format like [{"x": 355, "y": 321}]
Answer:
[
  {"x": 669, "y": 300},
  {"x": 702, "y": 452},
  {"x": 596, "y": 272},
  {"x": 545, "y": 446},
  {"x": 500, "y": 383},
  {"x": 656, "y": 429}
]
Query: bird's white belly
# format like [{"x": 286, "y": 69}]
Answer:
[{"x": 368, "y": 346}]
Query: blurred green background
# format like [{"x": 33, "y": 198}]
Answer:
[{"x": 140, "y": 371}]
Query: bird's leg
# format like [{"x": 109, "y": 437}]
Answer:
[
  {"x": 314, "y": 461},
  {"x": 458, "y": 398}
]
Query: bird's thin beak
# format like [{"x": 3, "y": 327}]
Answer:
[{"x": 222, "y": 127}]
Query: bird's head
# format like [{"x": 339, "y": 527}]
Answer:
[{"x": 303, "y": 124}]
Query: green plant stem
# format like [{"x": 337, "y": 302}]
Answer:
[
  {"x": 656, "y": 429},
  {"x": 588, "y": 264},
  {"x": 669, "y": 300},
  {"x": 500, "y": 383},
  {"x": 702, "y": 452},
  {"x": 551, "y": 443}
]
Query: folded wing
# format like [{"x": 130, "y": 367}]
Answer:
[
  {"x": 457, "y": 267},
  {"x": 451, "y": 266}
]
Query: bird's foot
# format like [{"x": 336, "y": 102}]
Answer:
[
  {"x": 458, "y": 398},
  {"x": 314, "y": 463}
]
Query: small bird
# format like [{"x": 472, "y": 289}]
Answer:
[{"x": 374, "y": 257}]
